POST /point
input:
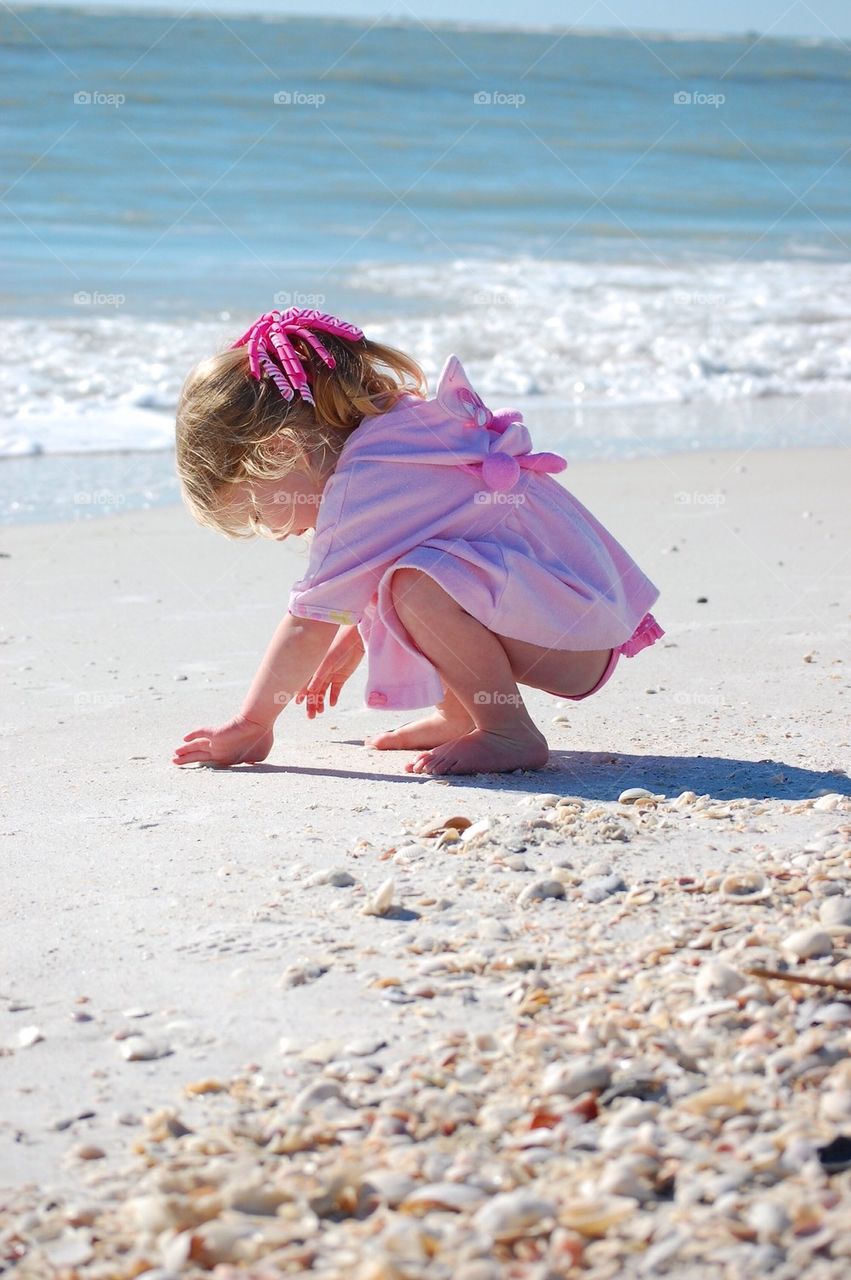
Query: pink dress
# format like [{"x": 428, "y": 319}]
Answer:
[{"x": 446, "y": 486}]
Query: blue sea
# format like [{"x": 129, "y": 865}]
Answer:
[{"x": 643, "y": 240}]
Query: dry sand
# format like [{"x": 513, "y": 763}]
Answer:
[{"x": 174, "y": 902}]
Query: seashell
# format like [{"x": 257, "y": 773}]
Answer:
[
  {"x": 154, "y": 1213},
  {"x": 301, "y": 975},
  {"x": 620, "y": 1179},
  {"x": 388, "y": 1185},
  {"x": 197, "y": 1087},
  {"x": 480, "y": 1269},
  {"x": 138, "y": 1049},
  {"x": 455, "y": 1196},
  {"x": 87, "y": 1151},
  {"x": 744, "y": 886},
  {"x": 836, "y": 1014},
  {"x": 836, "y": 1105},
  {"x": 511, "y": 1214},
  {"x": 595, "y": 1215},
  {"x": 828, "y": 802},
  {"x": 72, "y": 1249},
  {"x": 684, "y": 800},
  {"x": 576, "y": 1077},
  {"x": 382, "y": 900},
  {"x": 640, "y": 897},
  {"x": 337, "y": 876},
  {"x": 315, "y": 1092},
  {"x": 477, "y": 829},
  {"x": 727, "y": 1096},
  {"x": 808, "y": 943},
  {"x": 717, "y": 979},
  {"x": 435, "y": 828},
  {"x": 540, "y": 889},
  {"x": 768, "y": 1220},
  {"x": 635, "y": 793},
  {"x": 365, "y": 1046},
  {"x": 255, "y": 1197},
  {"x": 28, "y": 1036},
  {"x": 835, "y": 911},
  {"x": 598, "y": 888},
  {"x": 696, "y": 1012}
]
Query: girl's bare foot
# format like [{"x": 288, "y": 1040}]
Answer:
[
  {"x": 448, "y": 721},
  {"x": 431, "y": 731},
  {"x": 486, "y": 751}
]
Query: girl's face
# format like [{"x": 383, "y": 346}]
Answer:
[{"x": 285, "y": 506}]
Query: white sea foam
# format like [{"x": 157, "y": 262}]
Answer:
[{"x": 590, "y": 334}]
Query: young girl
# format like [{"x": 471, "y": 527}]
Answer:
[{"x": 441, "y": 544}]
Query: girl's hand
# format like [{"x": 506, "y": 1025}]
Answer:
[
  {"x": 240, "y": 741},
  {"x": 333, "y": 671}
]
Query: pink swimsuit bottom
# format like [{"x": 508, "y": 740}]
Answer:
[{"x": 647, "y": 631}]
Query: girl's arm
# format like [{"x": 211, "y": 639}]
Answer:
[
  {"x": 339, "y": 663},
  {"x": 296, "y": 648},
  {"x": 295, "y": 651}
]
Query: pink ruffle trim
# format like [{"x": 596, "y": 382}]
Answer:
[{"x": 647, "y": 632}]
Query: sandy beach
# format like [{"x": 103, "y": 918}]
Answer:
[{"x": 160, "y": 927}]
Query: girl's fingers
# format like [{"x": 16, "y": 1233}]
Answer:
[
  {"x": 335, "y": 693},
  {"x": 197, "y": 733},
  {"x": 194, "y": 757},
  {"x": 192, "y": 749}
]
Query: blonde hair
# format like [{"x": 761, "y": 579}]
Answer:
[{"x": 232, "y": 428}]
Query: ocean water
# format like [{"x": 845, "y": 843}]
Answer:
[{"x": 652, "y": 227}]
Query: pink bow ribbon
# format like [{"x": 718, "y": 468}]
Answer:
[
  {"x": 268, "y": 339},
  {"x": 508, "y": 450}
]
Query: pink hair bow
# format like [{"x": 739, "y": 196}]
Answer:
[
  {"x": 501, "y": 468},
  {"x": 268, "y": 341}
]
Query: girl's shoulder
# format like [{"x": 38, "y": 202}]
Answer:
[{"x": 413, "y": 421}]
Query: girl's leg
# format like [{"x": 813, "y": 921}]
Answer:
[
  {"x": 564, "y": 672},
  {"x": 474, "y": 665}
]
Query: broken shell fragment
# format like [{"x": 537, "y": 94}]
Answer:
[
  {"x": 635, "y": 793},
  {"x": 540, "y": 889},
  {"x": 512, "y": 1213},
  {"x": 138, "y": 1049},
  {"x": 836, "y": 912},
  {"x": 455, "y": 1196},
  {"x": 436, "y": 828},
  {"x": 744, "y": 886},
  {"x": 717, "y": 979},
  {"x": 382, "y": 900},
  {"x": 594, "y": 1216},
  {"x": 808, "y": 943}
]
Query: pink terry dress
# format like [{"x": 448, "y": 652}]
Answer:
[{"x": 446, "y": 486}]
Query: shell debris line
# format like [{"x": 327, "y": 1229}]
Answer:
[{"x": 654, "y": 1077}]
